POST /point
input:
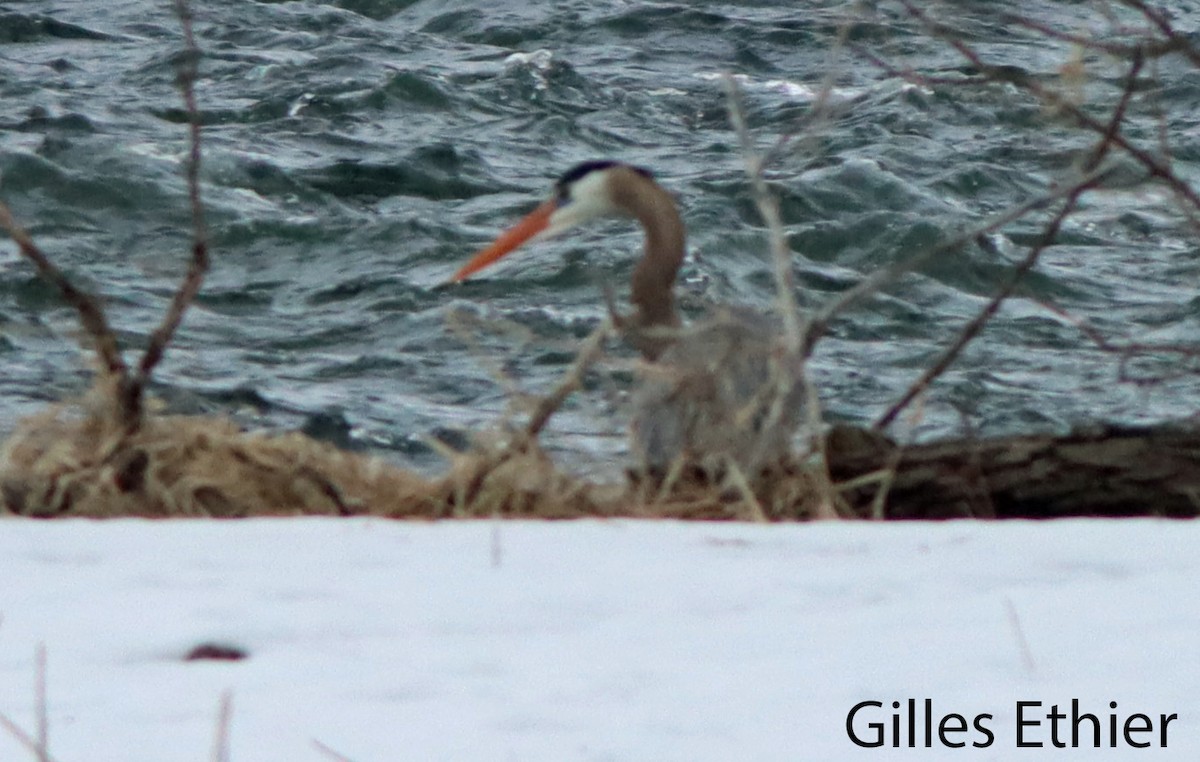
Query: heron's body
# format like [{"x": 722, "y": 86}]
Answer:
[{"x": 708, "y": 395}]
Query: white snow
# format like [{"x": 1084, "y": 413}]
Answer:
[{"x": 591, "y": 640}]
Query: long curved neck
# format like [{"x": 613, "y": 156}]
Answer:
[{"x": 653, "y": 282}]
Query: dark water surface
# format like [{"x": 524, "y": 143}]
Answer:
[{"x": 356, "y": 153}]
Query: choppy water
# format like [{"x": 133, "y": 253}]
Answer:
[{"x": 356, "y": 153}]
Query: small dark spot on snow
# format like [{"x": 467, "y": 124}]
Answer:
[{"x": 215, "y": 652}]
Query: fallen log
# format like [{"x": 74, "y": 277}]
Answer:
[{"x": 1106, "y": 470}]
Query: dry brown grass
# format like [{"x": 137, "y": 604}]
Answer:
[{"x": 76, "y": 459}]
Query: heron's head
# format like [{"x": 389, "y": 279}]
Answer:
[{"x": 586, "y": 192}]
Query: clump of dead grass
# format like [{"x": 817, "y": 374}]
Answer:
[
  {"x": 78, "y": 459},
  {"x": 787, "y": 491},
  {"x": 517, "y": 482}
]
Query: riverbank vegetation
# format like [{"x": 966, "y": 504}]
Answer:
[{"x": 114, "y": 452}]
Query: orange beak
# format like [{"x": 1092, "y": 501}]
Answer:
[{"x": 532, "y": 224}]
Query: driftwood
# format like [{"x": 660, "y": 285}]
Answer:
[{"x": 1109, "y": 471}]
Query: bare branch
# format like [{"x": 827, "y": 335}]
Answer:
[
  {"x": 547, "y": 406},
  {"x": 768, "y": 209},
  {"x": 91, "y": 315},
  {"x": 130, "y": 387},
  {"x": 976, "y": 325},
  {"x": 198, "y": 266},
  {"x": 1159, "y": 18},
  {"x": 880, "y": 279},
  {"x": 1147, "y": 47},
  {"x": 1018, "y": 274},
  {"x": 1050, "y": 97},
  {"x": 789, "y": 370},
  {"x": 1127, "y": 351}
]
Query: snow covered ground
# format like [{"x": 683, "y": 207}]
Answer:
[{"x": 616, "y": 640}]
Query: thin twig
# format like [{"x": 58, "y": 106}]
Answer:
[
  {"x": 198, "y": 266},
  {"x": 24, "y": 739},
  {"x": 789, "y": 370},
  {"x": 497, "y": 544},
  {"x": 674, "y": 474},
  {"x": 91, "y": 315},
  {"x": 43, "y": 712},
  {"x": 742, "y": 484},
  {"x": 1014, "y": 621},
  {"x": 548, "y": 405},
  {"x": 884, "y": 277},
  {"x": 1148, "y": 48},
  {"x": 467, "y": 326},
  {"x": 1159, "y": 18},
  {"x": 1118, "y": 116},
  {"x": 890, "y": 470},
  {"x": 1126, "y": 351},
  {"x": 768, "y": 208},
  {"x": 221, "y": 734},
  {"x": 329, "y": 752},
  {"x": 819, "y": 113}
]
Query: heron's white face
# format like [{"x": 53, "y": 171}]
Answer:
[
  {"x": 583, "y": 194},
  {"x": 584, "y": 200}
]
